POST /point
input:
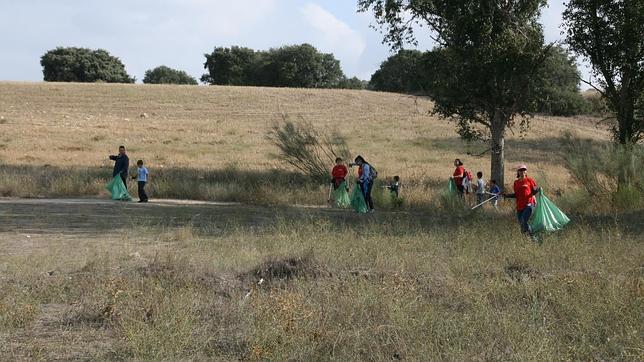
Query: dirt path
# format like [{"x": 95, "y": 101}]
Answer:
[{"x": 99, "y": 215}]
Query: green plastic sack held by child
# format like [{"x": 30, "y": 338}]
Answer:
[
  {"x": 547, "y": 217},
  {"x": 451, "y": 187},
  {"x": 341, "y": 196},
  {"x": 117, "y": 188},
  {"x": 357, "y": 201}
]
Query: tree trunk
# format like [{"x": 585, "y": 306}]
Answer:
[
  {"x": 497, "y": 130},
  {"x": 626, "y": 134}
]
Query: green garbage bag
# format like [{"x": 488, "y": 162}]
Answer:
[
  {"x": 341, "y": 196},
  {"x": 357, "y": 200},
  {"x": 451, "y": 187},
  {"x": 546, "y": 216},
  {"x": 117, "y": 188}
]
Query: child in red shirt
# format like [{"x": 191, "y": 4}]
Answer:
[
  {"x": 524, "y": 190},
  {"x": 338, "y": 173}
]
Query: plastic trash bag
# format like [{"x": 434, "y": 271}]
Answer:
[
  {"x": 451, "y": 187},
  {"x": 341, "y": 196},
  {"x": 117, "y": 188},
  {"x": 546, "y": 216},
  {"x": 357, "y": 200}
]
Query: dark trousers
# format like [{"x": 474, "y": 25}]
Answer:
[
  {"x": 142, "y": 195},
  {"x": 365, "y": 187},
  {"x": 461, "y": 190},
  {"x": 124, "y": 178},
  {"x": 523, "y": 216}
]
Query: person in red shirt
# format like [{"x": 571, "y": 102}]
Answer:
[
  {"x": 458, "y": 175},
  {"x": 524, "y": 190},
  {"x": 339, "y": 173}
]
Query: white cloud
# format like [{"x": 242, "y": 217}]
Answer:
[{"x": 333, "y": 35}]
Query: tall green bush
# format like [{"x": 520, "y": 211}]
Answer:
[
  {"x": 166, "y": 75},
  {"x": 607, "y": 172},
  {"x": 300, "y": 66},
  {"x": 83, "y": 65}
]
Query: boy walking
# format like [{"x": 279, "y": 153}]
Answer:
[
  {"x": 496, "y": 190},
  {"x": 394, "y": 187},
  {"x": 142, "y": 179},
  {"x": 480, "y": 187}
]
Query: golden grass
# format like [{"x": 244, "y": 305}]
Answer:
[
  {"x": 394, "y": 290},
  {"x": 205, "y": 128},
  {"x": 293, "y": 283}
]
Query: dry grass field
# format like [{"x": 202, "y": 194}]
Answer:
[
  {"x": 276, "y": 277},
  {"x": 188, "y": 134}
]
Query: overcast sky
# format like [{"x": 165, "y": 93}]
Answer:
[{"x": 176, "y": 33}]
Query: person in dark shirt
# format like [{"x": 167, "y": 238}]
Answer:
[
  {"x": 394, "y": 186},
  {"x": 121, "y": 165}
]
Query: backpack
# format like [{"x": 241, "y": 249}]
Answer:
[
  {"x": 373, "y": 173},
  {"x": 469, "y": 176}
]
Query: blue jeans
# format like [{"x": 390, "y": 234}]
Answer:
[
  {"x": 365, "y": 187},
  {"x": 524, "y": 216}
]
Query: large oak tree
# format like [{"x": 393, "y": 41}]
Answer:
[
  {"x": 610, "y": 33},
  {"x": 489, "y": 56}
]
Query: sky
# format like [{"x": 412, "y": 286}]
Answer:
[{"x": 147, "y": 33}]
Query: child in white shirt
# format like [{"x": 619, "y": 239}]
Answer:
[
  {"x": 480, "y": 187},
  {"x": 142, "y": 179}
]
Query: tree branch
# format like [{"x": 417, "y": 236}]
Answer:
[{"x": 592, "y": 85}]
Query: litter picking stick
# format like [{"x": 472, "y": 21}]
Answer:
[
  {"x": 330, "y": 190},
  {"x": 488, "y": 200}
]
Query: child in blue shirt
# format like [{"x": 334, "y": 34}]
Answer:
[
  {"x": 496, "y": 190},
  {"x": 142, "y": 179}
]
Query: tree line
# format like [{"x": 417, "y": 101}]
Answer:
[
  {"x": 488, "y": 69},
  {"x": 303, "y": 66}
]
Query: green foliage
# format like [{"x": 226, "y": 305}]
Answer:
[
  {"x": 595, "y": 103},
  {"x": 352, "y": 83},
  {"x": 166, "y": 75},
  {"x": 289, "y": 66},
  {"x": 612, "y": 173},
  {"x": 557, "y": 90},
  {"x": 307, "y": 149},
  {"x": 486, "y": 67},
  {"x": 83, "y": 65},
  {"x": 231, "y": 66},
  {"x": 556, "y": 85},
  {"x": 401, "y": 72},
  {"x": 609, "y": 34}
]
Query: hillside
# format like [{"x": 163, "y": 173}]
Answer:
[{"x": 61, "y": 124}]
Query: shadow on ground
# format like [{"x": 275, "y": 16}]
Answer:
[{"x": 99, "y": 216}]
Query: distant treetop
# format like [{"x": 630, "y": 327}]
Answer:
[
  {"x": 83, "y": 65},
  {"x": 301, "y": 66},
  {"x": 167, "y": 75}
]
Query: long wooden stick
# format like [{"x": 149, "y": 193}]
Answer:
[{"x": 488, "y": 200}]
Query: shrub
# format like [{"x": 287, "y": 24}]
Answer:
[
  {"x": 83, "y": 65},
  {"x": 307, "y": 149},
  {"x": 166, "y": 75},
  {"x": 610, "y": 173},
  {"x": 300, "y": 66}
]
